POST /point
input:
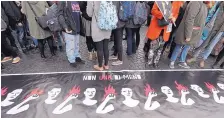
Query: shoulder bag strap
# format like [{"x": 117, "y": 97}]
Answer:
[{"x": 32, "y": 8}]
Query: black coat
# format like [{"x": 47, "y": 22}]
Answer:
[
  {"x": 13, "y": 12},
  {"x": 83, "y": 6}
]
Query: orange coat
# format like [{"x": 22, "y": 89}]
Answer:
[{"x": 154, "y": 29}]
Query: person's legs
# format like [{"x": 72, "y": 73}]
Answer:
[
  {"x": 20, "y": 35},
  {"x": 77, "y": 51},
  {"x": 11, "y": 38},
  {"x": 133, "y": 40},
  {"x": 7, "y": 50},
  {"x": 147, "y": 47},
  {"x": 159, "y": 52},
  {"x": 175, "y": 54},
  {"x": 70, "y": 48},
  {"x": 119, "y": 47},
  {"x": 183, "y": 57},
  {"x": 137, "y": 37},
  {"x": 209, "y": 49},
  {"x": 106, "y": 53},
  {"x": 50, "y": 44},
  {"x": 129, "y": 40},
  {"x": 41, "y": 47},
  {"x": 219, "y": 57},
  {"x": 99, "y": 47},
  {"x": 89, "y": 47}
]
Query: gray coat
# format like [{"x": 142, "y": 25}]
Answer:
[
  {"x": 217, "y": 28},
  {"x": 97, "y": 33},
  {"x": 194, "y": 17},
  {"x": 40, "y": 8}
]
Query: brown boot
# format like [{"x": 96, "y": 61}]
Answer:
[{"x": 202, "y": 64}]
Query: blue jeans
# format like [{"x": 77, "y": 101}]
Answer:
[
  {"x": 72, "y": 46},
  {"x": 184, "y": 50},
  {"x": 210, "y": 47},
  {"x": 131, "y": 44},
  {"x": 20, "y": 36}
]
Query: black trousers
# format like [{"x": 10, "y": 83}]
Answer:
[
  {"x": 8, "y": 32},
  {"x": 102, "y": 52},
  {"x": 137, "y": 37},
  {"x": 118, "y": 37},
  {"x": 7, "y": 50},
  {"x": 41, "y": 43},
  {"x": 90, "y": 44}
]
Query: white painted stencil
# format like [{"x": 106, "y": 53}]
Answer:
[
  {"x": 129, "y": 101},
  {"x": 169, "y": 93},
  {"x": 62, "y": 108},
  {"x": 221, "y": 86},
  {"x": 199, "y": 90},
  {"x": 183, "y": 91},
  {"x": 215, "y": 91},
  {"x": 52, "y": 94},
  {"x": 89, "y": 95},
  {"x": 11, "y": 96},
  {"x": 110, "y": 94},
  {"x": 150, "y": 93},
  {"x": 23, "y": 106}
]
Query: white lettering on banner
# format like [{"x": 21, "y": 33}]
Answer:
[
  {"x": 215, "y": 92},
  {"x": 127, "y": 93},
  {"x": 52, "y": 94},
  {"x": 20, "y": 108},
  {"x": 89, "y": 77},
  {"x": 110, "y": 94},
  {"x": 221, "y": 86},
  {"x": 169, "y": 93},
  {"x": 183, "y": 91},
  {"x": 150, "y": 93},
  {"x": 199, "y": 90},
  {"x": 11, "y": 96},
  {"x": 73, "y": 94},
  {"x": 89, "y": 94}
]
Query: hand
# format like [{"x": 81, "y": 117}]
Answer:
[
  {"x": 20, "y": 24},
  {"x": 68, "y": 31},
  {"x": 187, "y": 39}
]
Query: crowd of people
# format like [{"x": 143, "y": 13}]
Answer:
[{"x": 180, "y": 28}]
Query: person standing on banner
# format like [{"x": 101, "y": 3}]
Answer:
[
  {"x": 164, "y": 16},
  {"x": 87, "y": 21},
  {"x": 69, "y": 18},
  {"x": 33, "y": 9},
  {"x": 189, "y": 32}
]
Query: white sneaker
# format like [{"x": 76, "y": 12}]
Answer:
[
  {"x": 116, "y": 63},
  {"x": 113, "y": 57},
  {"x": 184, "y": 65},
  {"x": 172, "y": 65}
]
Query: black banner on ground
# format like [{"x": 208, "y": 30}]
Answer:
[{"x": 164, "y": 94}]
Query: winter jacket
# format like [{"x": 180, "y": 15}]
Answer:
[
  {"x": 4, "y": 20},
  {"x": 210, "y": 20},
  {"x": 40, "y": 8},
  {"x": 217, "y": 28},
  {"x": 154, "y": 29},
  {"x": 13, "y": 12},
  {"x": 192, "y": 23},
  {"x": 83, "y": 6},
  {"x": 92, "y": 11},
  {"x": 65, "y": 16}
]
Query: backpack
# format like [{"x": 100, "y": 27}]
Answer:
[
  {"x": 126, "y": 10},
  {"x": 141, "y": 13},
  {"x": 107, "y": 16},
  {"x": 53, "y": 21}
]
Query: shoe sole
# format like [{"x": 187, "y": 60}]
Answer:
[{"x": 116, "y": 64}]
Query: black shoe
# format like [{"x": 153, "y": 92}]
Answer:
[
  {"x": 79, "y": 60},
  {"x": 55, "y": 47},
  {"x": 43, "y": 56},
  {"x": 60, "y": 47},
  {"x": 74, "y": 64}
]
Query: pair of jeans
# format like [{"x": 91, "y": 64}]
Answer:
[
  {"x": 131, "y": 44},
  {"x": 7, "y": 50},
  {"x": 219, "y": 57},
  {"x": 118, "y": 38},
  {"x": 21, "y": 36},
  {"x": 102, "y": 52},
  {"x": 212, "y": 44},
  {"x": 72, "y": 46},
  {"x": 180, "y": 48}
]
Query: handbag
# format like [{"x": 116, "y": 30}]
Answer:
[
  {"x": 163, "y": 22},
  {"x": 42, "y": 20}
]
